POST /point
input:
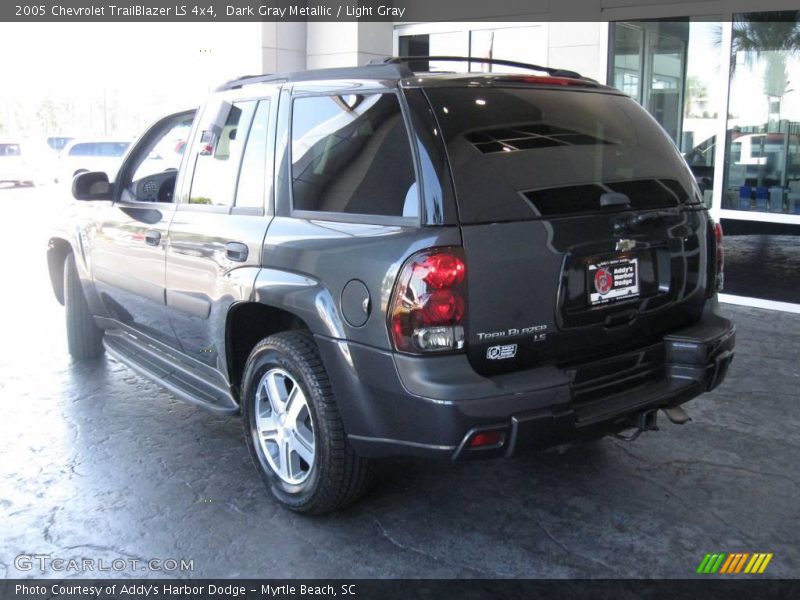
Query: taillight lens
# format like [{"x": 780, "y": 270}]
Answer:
[
  {"x": 428, "y": 307},
  {"x": 720, "y": 254}
]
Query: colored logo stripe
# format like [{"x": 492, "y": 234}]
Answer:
[
  {"x": 758, "y": 563},
  {"x": 734, "y": 563},
  {"x": 728, "y": 564},
  {"x": 711, "y": 563}
]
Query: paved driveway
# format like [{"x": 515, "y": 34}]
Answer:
[{"x": 96, "y": 462}]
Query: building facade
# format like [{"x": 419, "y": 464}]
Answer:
[{"x": 725, "y": 86}]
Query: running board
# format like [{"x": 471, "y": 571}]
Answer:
[{"x": 170, "y": 371}]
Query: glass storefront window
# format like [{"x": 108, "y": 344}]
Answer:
[
  {"x": 628, "y": 50},
  {"x": 763, "y": 142},
  {"x": 666, "y": 82},
  {"x": 671, "y": 68},
  {"x": 432, "y": 44},
  {"x": 523, "y": 44}
]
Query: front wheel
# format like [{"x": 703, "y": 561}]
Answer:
[{"x": 293, "y": 428}]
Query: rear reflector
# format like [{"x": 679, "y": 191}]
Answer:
[{"x": 486, "y": 438}]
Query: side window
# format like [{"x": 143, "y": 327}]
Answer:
[
  {"x": 256, "y": 169},
  {"x": 166, "y": 151},
  {"x": 351, "y": 154},
  {"x": 217, "y": 159}
]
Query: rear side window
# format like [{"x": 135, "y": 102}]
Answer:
[
  {"x": 351, "y": 154},
  {"x": 218, "y": 156},
  {"x": 522, "y": 153}
]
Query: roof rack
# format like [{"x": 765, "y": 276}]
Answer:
[
  {"x": 393, "y": 60},
  {"x": 378, "y": 70},
  {"x": 390, "y": 68}
]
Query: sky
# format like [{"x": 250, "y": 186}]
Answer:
[{"x": 141, "y": 70}]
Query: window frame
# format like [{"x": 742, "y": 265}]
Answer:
[{"x": 340, "y": 217}]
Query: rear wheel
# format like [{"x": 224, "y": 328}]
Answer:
[
  {"x": 293, "y": 428},
  {"x": 84, "y": 337}
]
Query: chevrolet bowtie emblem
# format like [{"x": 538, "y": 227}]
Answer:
[{"x": 625, "y": 245}]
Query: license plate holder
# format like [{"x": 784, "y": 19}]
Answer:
[{"x": 612, "y": 280}]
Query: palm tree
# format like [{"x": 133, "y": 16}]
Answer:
[{"x": 774, "y": 37}]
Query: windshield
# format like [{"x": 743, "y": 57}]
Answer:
[{"x": 522, "y": 153}]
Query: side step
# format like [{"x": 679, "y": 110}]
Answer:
[{"x": 176, "y": 374}]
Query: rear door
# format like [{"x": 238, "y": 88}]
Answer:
[
  {"x": 217, "y": 232},
  {"x": 580, "y": 221}
]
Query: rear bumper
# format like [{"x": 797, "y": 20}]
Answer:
[{"x": 394, "y": 404}]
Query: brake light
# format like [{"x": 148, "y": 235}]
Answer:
[
  {"x": 428, "y": 307},
  {"x": 551, "y": 80},
  {"x": 720, "y": 254}
]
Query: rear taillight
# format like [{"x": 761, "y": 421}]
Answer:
[
  {"x": 720, "y": 254},
  {"x": 428, "y": 308}
]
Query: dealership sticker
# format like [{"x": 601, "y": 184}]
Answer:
[
  {"x": 501, "y": 352},
  {"x": 613, "y": 280}
]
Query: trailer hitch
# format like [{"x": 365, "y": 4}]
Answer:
[{"x": 644, "y": 421}]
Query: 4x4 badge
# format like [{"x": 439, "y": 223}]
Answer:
[{"x": 624, "y": 245}]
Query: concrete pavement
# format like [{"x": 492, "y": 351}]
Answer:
[{"x": 97, "y": 462}]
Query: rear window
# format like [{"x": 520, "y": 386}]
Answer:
[
  {"x": 99, "y": 149},
  {"x": 520, "y": 154}
]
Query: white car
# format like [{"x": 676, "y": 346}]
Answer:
[
  {"x": 82, "y": 155},
  {"x": 21, "y": 162}
]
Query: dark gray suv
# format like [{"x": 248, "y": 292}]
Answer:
[{"x": 371, "y": 261}]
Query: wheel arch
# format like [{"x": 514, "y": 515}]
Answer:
[
  {"x": 248, "y": 323},
  {"x": 57, "y": 251}
]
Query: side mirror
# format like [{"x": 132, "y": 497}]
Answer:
[{"x": 91, "y": 186}]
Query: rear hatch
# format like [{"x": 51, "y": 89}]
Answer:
[{"x": 581, "y": 224}]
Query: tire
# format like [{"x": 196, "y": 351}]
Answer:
[
  {"x": 335, "y": 475},
  {"x": 84, "y": 337}
]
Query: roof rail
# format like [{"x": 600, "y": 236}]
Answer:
[
  {"x": 390, "y": 60},
  {"x": 386, "y": 71}
]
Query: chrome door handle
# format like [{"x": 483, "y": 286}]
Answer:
[
  {"x": 236, "y": 251},
  {"x": 152, "y": 237}
]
